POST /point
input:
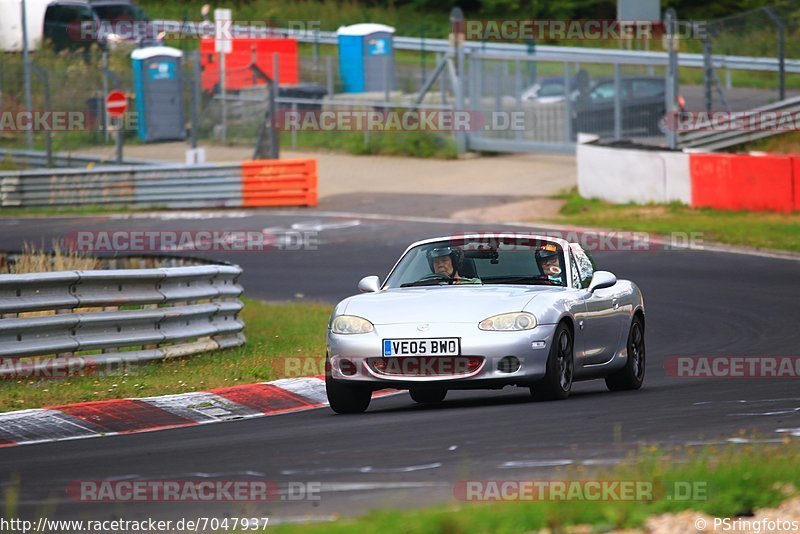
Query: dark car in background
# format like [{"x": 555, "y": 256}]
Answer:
[
  {"x": 642, "y": 103},
  {"x": 122, "y": 21},
  {"x": 63, "y": 21}
]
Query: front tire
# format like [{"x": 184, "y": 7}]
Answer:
[
  {"x": 344, "y": 398},
  {"x": 632, "y": 375},
  {"x": 557, "y": 381},
  {"x": 427, "y": 396}
]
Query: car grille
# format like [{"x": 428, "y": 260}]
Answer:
[{"x": 426, "y": 365}]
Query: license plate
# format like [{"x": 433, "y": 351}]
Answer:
[{"x": 443, "y": 346}]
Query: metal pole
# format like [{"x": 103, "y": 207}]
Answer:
[
  {"x": 708, "y": 73},
  {"x": 294, "y": 130},
  {"x": 567, "y": 107},
  {"x": 223, "y": 93},
  {"x": 273, "y": 94},
  {"x": 104, "y": 63},
  {"x": 48, "y": 136},
  {"x": 329, "y": 74},
  {"x": 119, "y": 140},
  {"x": 617, "y": 102},
  {"x": 195, "y": 97},
  {"x": 671, "y": 94},
  {"x": 781, "y": 52},
  {"x": 27, "y": 74},
  {"x": 518, "y": 91}
]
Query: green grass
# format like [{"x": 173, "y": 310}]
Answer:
[
  {"x": 275, "y": 331},
  {"x": 761, "y": 230},
  {"x": 737, "y": 480}
]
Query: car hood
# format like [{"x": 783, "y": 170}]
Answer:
[{"x": 453, "y": 304}]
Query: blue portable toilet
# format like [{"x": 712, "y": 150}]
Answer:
[
  {"x": 366, "y": 57},
  {"x": 159, "y": 97}
]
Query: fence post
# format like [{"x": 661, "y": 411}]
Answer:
[
  {"x": 672, "y": 77},
  {"x": 781, "y": 52},
  {"x": 329, "y": 75},
  {"x": 195, "y": 97},
  {"x": 567, "y": 107},
  {"x": 48, "y": 135},
  {"x": 617, "y": 102}
]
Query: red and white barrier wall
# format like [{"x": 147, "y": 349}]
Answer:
[{"x": 753, "y": 182}]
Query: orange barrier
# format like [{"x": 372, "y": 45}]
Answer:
[
  {"x": 283, "y": 182},
  {"x": 743, "y": 182}
]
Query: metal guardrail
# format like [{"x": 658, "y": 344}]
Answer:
[
  {"x": 716, "y": 136},
  {"x": 501, "y": 50},
  {"x": 179, "y": 312},
  {"x": 145, "y": 185},
  {"x": 35, "y": 158}
]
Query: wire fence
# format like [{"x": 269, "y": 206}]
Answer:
[{"x": 614, "y": 97}]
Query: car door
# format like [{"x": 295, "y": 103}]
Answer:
[{"x": 600, "y": 322}]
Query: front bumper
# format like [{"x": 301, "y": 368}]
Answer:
[{"x": 352, "y": 354}]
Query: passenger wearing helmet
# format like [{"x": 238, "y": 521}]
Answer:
[
  {"x": 447, "y": 261},
  {"x": 547, "y": 259}
]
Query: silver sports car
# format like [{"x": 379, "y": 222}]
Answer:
[{"x": 484, "y": 311}]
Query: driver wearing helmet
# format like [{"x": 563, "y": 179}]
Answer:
[
  {"x": 447, "y": 261},
  {"x": 547, "y": 259}
]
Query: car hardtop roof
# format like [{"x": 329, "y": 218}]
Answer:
[{"x": 564, "y": 244}]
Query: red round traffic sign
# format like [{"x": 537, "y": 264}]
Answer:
[{"x": 116, "y": 104}]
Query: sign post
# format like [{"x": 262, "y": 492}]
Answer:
[
  {"x": 116, "y": 106},
  {"x": 223, "y": 45}
]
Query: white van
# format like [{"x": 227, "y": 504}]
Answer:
[{"x": 11, "y": 23}]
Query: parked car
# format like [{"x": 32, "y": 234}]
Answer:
[
  {"x": 643, "y": 106},
  {"x": 127, "y": 23},
  {"x": 548, "y": 90},
  {"x": 522, "y": 310}
]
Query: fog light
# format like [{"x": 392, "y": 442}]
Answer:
[
  {"x": 346, "y": 367},
  {"x": 509, "y": 364}
]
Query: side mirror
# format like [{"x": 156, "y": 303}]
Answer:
[
  {"x": 602, "y": 279},
  {"x": 369, "y": 284}
]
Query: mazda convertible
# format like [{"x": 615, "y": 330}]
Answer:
[{"x": 485, "y": 311}]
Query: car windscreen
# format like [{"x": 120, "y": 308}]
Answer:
[
  {"x": 489, "y": 261},
  {"x": 117, "y": 12}
]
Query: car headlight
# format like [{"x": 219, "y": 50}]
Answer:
[
  {"x": 351, "y": 324},
  {"x": 509, "y": 322}
]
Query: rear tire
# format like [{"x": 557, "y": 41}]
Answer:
[
  {"x": 557, "y": 381},
  {"x": 345, "y": 398},
  {"x": 427, "y": 396},
  {"x": 632, "y": 375}
]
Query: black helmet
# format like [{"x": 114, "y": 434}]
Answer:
[
  {"x": 456, "y": 256},
  {"x": 547, "y": 252}
]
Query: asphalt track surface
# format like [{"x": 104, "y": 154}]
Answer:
[{"x": 401, "y": 454}]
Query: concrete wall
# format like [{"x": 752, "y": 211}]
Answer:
[{"x": 623, "y": 175}]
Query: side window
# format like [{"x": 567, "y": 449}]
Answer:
[
  {"x": 604, "y": 91},
  {"x": 576, "y": 279},
  {"x": 585, "y": 265}
]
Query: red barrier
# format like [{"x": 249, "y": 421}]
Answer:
[
  {"x": 796, "y": 182},
  {"x": 742, "y": 182},
  {"x": 244, "y": 51}
]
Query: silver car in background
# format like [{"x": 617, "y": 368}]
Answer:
[{"x": 522, "y": 310}]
